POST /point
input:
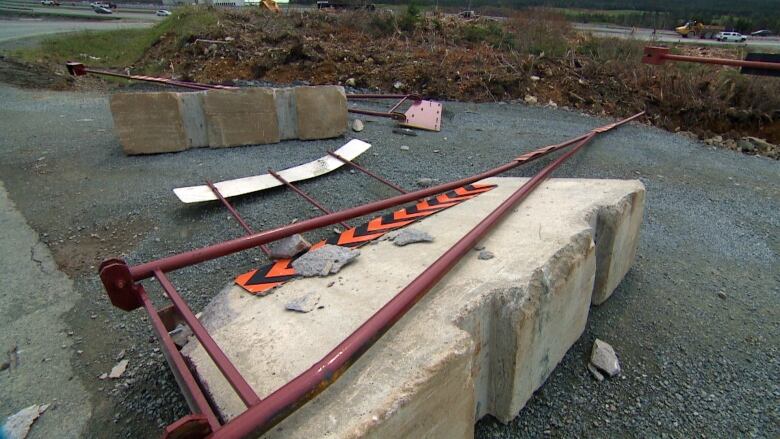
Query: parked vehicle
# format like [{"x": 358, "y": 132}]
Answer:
[
  {"x": 726, "y": 37},
  {"x": 50, "y": 3},
  {"x": 762, "y": 33},
  {"x": 102, "y": 10},
  {"x": 695, "y": 29},
  {"x": 345, "y": 4},
  {"x": 162, "y": 13}
]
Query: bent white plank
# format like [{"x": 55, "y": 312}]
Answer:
[{"x": 241, "y": 186}]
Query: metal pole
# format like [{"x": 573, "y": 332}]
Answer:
[
  {"x": 366, "y": 171},
  {"x": 194, "y": 396},
  {"x": 231, "y": 374},
  {"x": 306, "y": 196},
  {"x": 235, "y": 213},
  {"x": 175, "y": 262}
]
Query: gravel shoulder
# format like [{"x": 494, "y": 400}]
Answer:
[{"x": 693, "y": 362}]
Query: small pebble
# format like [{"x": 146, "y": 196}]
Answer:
[{"x": 485, "y": 255}]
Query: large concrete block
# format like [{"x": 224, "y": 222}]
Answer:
[
  {"x": 194, "y": 119},
  {"x": 481, "y": 342},
  {"x": 148, "y": 123},
  {"x": 241, "y": 117},
  {"x": 616, "y": 244},
  {"x": 286, "y": 113},
  {"x": 321, "y": 111}
]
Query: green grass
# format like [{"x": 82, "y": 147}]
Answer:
[{"x": 118, "y": 48}]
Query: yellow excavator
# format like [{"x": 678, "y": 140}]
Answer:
[{"x": 270, "y": 5}]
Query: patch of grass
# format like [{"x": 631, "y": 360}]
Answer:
[
  {"x": 540, "y": 31},
  {"x": 490, "y": 32},
  {"x": 118, "y": 48}
]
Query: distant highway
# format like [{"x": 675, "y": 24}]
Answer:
[
  {"x": 82, "y": 9},
  {"x": 33, "y": 27},
  {"x": 667, "y": 36}
]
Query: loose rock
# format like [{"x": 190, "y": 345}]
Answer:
[
  {"x": 405, "y": 131},
  {"x": 357, "y": 125},
  {"x": 118, "y": 370},
  {"x": 530, "y": 99},
  {"x": 18, "y": 425},
  {"x": 288, "y": 247},
  {"x": 485, "y": 255},
  {"x": 425, "y": 182},
  {"x": 410, "y": 236},
  {"x": 326, "y": 260},
  {"x": 305, "y": 303},
  {"x": 404, "y": 148},
  {"x": 595, "y": 372},
  {"x": 350, "y": 82},
  {"x": 603, "y": 357},
  {"x": 181, "y": 335}
]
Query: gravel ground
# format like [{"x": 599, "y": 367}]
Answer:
[{"x": 695, "y": 362}]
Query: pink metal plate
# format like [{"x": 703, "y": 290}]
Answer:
[{"x": 425, "y": 115}]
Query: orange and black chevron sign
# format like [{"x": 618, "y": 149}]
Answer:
[{"x": 272, "y": 275}]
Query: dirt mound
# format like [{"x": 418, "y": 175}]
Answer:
[
  {"x": 29, "y": 75},
  {"x": 533, "y": 56}
]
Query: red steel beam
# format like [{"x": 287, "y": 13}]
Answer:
[
  {"x": 659, "y": 55},
  {"x": 367, "y": 172},
  {"x": 319, "y": 376},
  {"x": 192, "y": 393},
  {"x": 119, "y": 281},
  {"x": 305, "y": 196},
  {"x": 181, "y": 260},
  {"x": 231, "y": 374},
  {"x": 391, "y": 113},
  {"x": 235, "y": 214}
]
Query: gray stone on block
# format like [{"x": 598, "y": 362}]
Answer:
[
  {"x": 288, "y": 247},
  {"x": 322, "y": 111},
  {"x": 241, "y": 117},
  {"x": 410, "y": 236},
  {"x": 325, "y": 260},
  {"x": 305, "y": 303},
  {"x": 148, "y": 123}
]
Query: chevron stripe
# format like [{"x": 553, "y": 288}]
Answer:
[{"x": 263, "y": 280}]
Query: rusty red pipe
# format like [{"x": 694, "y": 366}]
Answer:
[
  {"x": 175, "y": 262},
  {"x": 192, "y": 393},
  {"x": 659, "y": 55},
  {"x": 305, "y": 196},
  {"x": 367, "y": 172},
  {"x": 117, "y": 277},
  {"x": 235, "y": 213},
  {"x": 231, "y": 374},
  {"x": 308, "y": 384}
]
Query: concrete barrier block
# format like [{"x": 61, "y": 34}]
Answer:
[
  {"x": 148, "y": 123},
  {"x": 286, "y": 113},
  {"x": 241, "y": 117},
  {"x": 321, "y": 111},
  {"x": 481, "y": 342},
  {"x": 616, "y": 245},
  {"x": 194, "y": 119}
]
